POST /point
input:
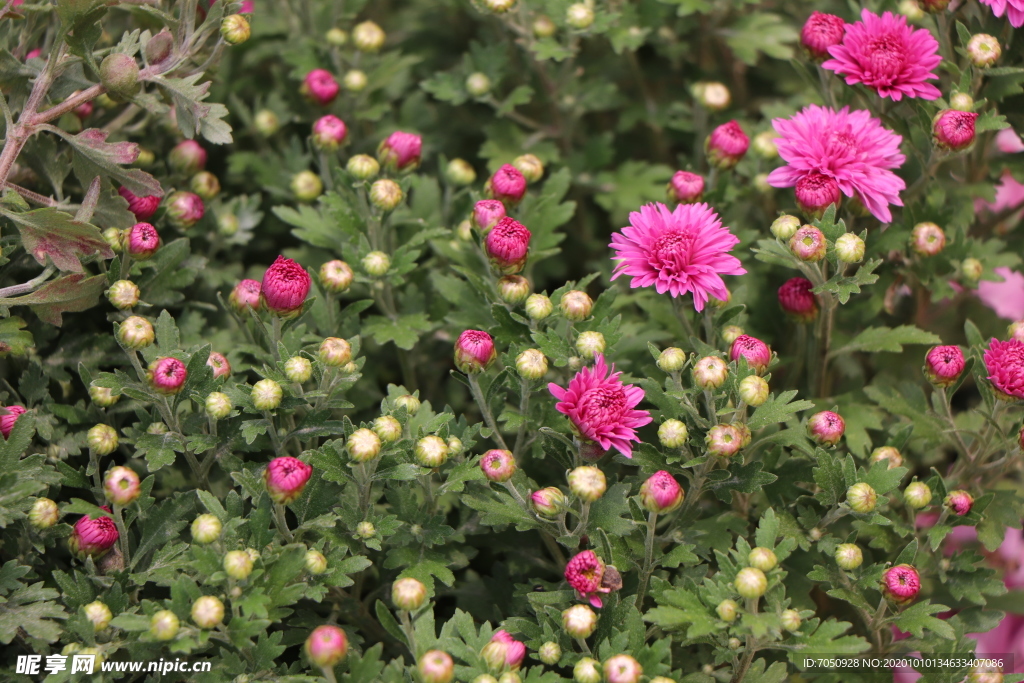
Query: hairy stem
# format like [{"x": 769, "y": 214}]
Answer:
[
  {"x": 645, "y": 575},
  {"x": 478, "y": 396}
]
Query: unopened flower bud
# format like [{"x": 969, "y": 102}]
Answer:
[
  {"x": 661, "y": 493},
  {"x": 808, "y": 244},
  {"x": 401, "y": 151},
  {"x": 543, "y": 27},
  {"x": 513, "y": 289},
  {"x": 849, "y": 556},
  {"x": 710, "y": 372},
  {"x": 326, "y": 646},
  {"x": 306, "y": 186},
  {"x": 685, "y": 187},
  {"x": 959, "y": 502},
  {"x": 984, "y": 50},
  {"x": 234, "y": 29},
  {"x": 622, "y": 669},
  {"x": 267, "y": 394},
  {"x": 119, "y": 74},
  {"x": 727, "y": 610},
  {"x": 548, "y": 502},
  {"x": 531, "y": 364},
  {"x": 376, "y": 263},
  {"x": 187, "y": 157},
  {"x": 387, "y": 428},
  {"x": 474, "y": 351},
  {"x": 386, "y": 194},
  {"x": 460, "y": 172},
  {"x": 185, "y": 209},
  {"x": 238, "y": 564},
  {"x": 889, "y": 454},
  {"x": 850, "y": 248},
  {"x": 316, "y": 563},
  {"x": 673, "y": 433},
  {"x": 365, "y": 530},
  {"x": 751, "y": 583},
  {"x": 538, "y": 306},
  {"x": 336, "y": 37},
  {"x": 121, "y": 485},
  {"x": 123, "y": 294},
  {"x": 764, "y": 145},
  {"x": 159, "y": 47},
  {"x": 763, "y": 559},
  {"x": 755, "y": 352},
  {"x": 164, "y": 625},
  {"x": 99, "y": 614},
  {"x": 815, "y": 193},
  {"x": 954, "y": 130},
  {"x": 726, "y": 145},
  {"x": 917, "y": 495},
  {"x": 723, "y": 440},
  {"x": 113, "y": 237},
  {"x": 363, "y": 167},
  {"x": 672, "y": 359},
  {"x": 141, "y": 241},
  {"x": 589, "y": 344},
  {"x": 971, "y": 270},
  {"x": 587, "y": 670},
  {"x": 826, "y": 428},
  {"x": 157, "y": 428},
  {"x": 246, "y": 296},
  {"x": 167, "y": 375},
  {"x": 579, "y": 621},
  {"x": 576, "y": 305},
  {"x": 334, "y": 352},
  {"x": 205, "y": 529},
  {"x": 363, "y": 445},
  {"x": 409, "y": 402},
  {"x": 861, "y": 498},
  {"x": 218, "y": 405},
  {"x": 927, "y": 239},
  {"x": 102, "y": 439},
  {"x": 355, "y": 80},
  {"x": 961, "y": 101},
  {"x": 368, "y": 37},
  {"x": 579, "y": 16},
  {"x": 785, "y": 226},
  {"x": 104, "y": 397},
  {"x": 507, "y": 245},
  {"x": 44, "y": 513},
  {"x": 329, "y": 132},
  {"x": 791, "y": 620},
  {"x": 436, "y": 666},
  {"x": 266, "y": 122},
  {"x": 531, "y": 167},
  {"x": 320, "y": 87},
  {"x": 298, "y": 369},
  {"x": 587, "y": 483},
  {"x": 454, "y": 445},
  {"x": 753, "y": 390},
  {"x": 478, "y": 84},
  {"x": 207, "y": 611},
  {"x": 408, "y": 594},
  {"x": 901, "y": 583},
  {"x": 713, "y": 96},
  {"x": 431, "y": 451}
]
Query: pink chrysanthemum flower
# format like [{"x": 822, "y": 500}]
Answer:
[
  {"x": 602, "y": 408},
  {"x": 851, "y": 147},
  {"x": 888, "y": 56},
  {"x": 757, "y": 353},
  {"x": 141, "y": 241},
  {"x": 1013, "y": 9},
  {"x": 401, "y": 150},
  {"x": 901, "y": 583},
  {"x": 93, "y": 537},
  {"x": 9, "y": 418},
  {"x": 284, "y": 287},
  {"x": 943, "y": 365},
  {"x": 508, "y": 245},
  {"x": 285, "y": 478},
  {"x": 686, "y": 250},
  {"x": 585, "y": 573},
  {"x": 167, "y": 375},
  {"x": 142, "y": 207},
  {"x": 1004, "y": 361}
]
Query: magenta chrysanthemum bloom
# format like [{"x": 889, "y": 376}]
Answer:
[
  {"x": 796, "y": 299},
  {"x": 815, "y": 192},
  {"x": 851, "y": 147},
  {"x": 507, "y": 185},
  {"x": 474, "y": 351},
  {"x": 585, "y": 573},
  {"x": 1004, "y": 361},
  {"x": 888, "y": 56},
  {"x": 284, "y": 287},
  {"x": 141, "y": 241},
  {"x": 7, "y": 420},
  {"x": 121, "y": 485},
  {"x": 487, "y": 213},
  {"x": 686, "y": 250},
  {"x": 826, "y": 428},
  {"x": 726, "y": 145},
  {"x": 320, "y": 86},
  {"x": 185, "y": 209},
  {"x": 686, "y": 187},
  {"x": 943, "y": 365},
  {"x": 285, "y": 478},
  {"x": 219, "y": 364},
  {"x": 246, "y": 294},
  {"x": 187, "y": 157},
  {"x": 820, "y": 32},
  {"x": 167, "y": 375},
  {"x": 498, "y": 465},
  {"x": 142, "y": 207},
  {"x": 959, "y": 501},
  {"x": 901, "y": 583},
  {"x": 504, "y": 652},
  {"x": 329, "y": 132},
  {"x": 954, "y": 130},
  {"x": 1008, "y": 141},
  {"x": 401, "y": 150},
  {"x": 507, "y": 245},
  {"x": 1013, "y": 9},
  {"x": 661, "y": 493},
  {"x": 601, "y": 407},
  {"x": 93, "y": 537},
  {"x": 757, "y": 353}
]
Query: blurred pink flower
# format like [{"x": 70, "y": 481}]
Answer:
[
  {"x": 1009, "y": 142},
  {"x": 1013, "y": 9},
  {"x": 1006, "y": 298}
]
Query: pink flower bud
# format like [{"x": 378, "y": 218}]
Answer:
[
  {"x": 954, "y": 130},
  {"x": 329, "y": 132},
  {"x": 188, "y": 157},
  {"x": 408, "y": 594},
  {"x": 506, "y": 185},
  {"x": 246, "y": 295},
  {"x": 723, "y": 440},
  {"x": 943, "y": 365},
  {"x": 219, "y": 364},
  {"x": 141, "y": 241},
  {"x": 32, "y": 54},
  {"x": 498, "y": 465},
  {"x": 820, "y": 32},
  {"x": 585, "y": 573},
  {"x": 401, "y": 151},
  {"x": 336, "y": 276},
  {"x": 507, "y": 246},
  {"x": 797, "y": 300},
  {"x": 984, "y": 50},
  {"x": 185, "y": 209},
  {"x": 284, "y": 287},
  {"x": 959, "y": 501},
  {"x": 320, "y": 87},
  {"x": 83, "y": 111},
  {"x": 661, "y": 493},
  {"x": 326, "y": 646},
  {"x": 685, "y": 187},
  {"x": 927, "y": 239},
  {"x": 548, "y": 502},
  {"x": 826, "y": 428},
  {"x": 8, "y": 419},
  {"x": 93, "y": 537},
  {"x": 622, "y": 669},
  {"x": 474, "y": 351},
  {"x": 503, "y": 652},
  {"x": 755, "y": 351},
  {"x": 808, "y": 244},
  {"x": 710, "y": 372},
  {"x": 142, "y": 207},
  {"x": 726, "y": 145},
  {"x": 167, "y": 375},
  {"x": 815, "y": 192},
  {"x": 285, "y": 478},
  {"x": 436, "y": 666},
  {"x": 487, "y": 213},
  {"x": 901, "y": 583},
  {"x": 121, "y": 485}
]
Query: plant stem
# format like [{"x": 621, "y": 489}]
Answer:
[
  {"x": 282, "y": 522},
  {"x": 410, "y": 633},
  {"x": 272, "y": 432},
  {"x": 478, "y": 396},
  {"x": 645, "y": 575},
  {"x": 524, "y": 407},
  {"x": 122, "y": 535},
  {"x": 25, "y": 287}
]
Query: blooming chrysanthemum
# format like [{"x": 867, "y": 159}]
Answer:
[
  {"x": 601, "y": 407},
  {"x": 585, "y": 573},
  {"x": 888, "y": 56},
  {"x": 1013, "y": 9},
  {"x": 686, "y": 250},
  {"x": 1004, "y": 361},
  {"x": 851, "y": 147}
]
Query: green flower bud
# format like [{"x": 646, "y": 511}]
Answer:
[
  {"x": 538, "y": 306},
  {"x": 409, "y": 402},
  {"x": 355, "y": 80},
  {"x": 587, "y": 670},
  {"x": 336, "y": 37},
  {"x": 123, "y": 294},
  {"x": 579, "y": 16},
  {"x": 298, "y": 369},
  {"x": 163, "y": 625},
  {"x": 514, "y": 289},
  {"x": 368, "y": 37},
  {"x": 408, "y": 594},
  {"x": 672, "y": 359},
  {"x": 530, "y": 166},
  {"x": 478, "y": 84},
  {"x": 266, "y": 122},
  {"x": 785, "y": 226},
  {"x": 550, "y": 653},
  {"x": 44, "y": 513},
  {"x": 460, "y": 172},
  {"x": 531, "y": 364},
  {"x": 306, "y": 186},
  {"x": 587, "y": 483},
  {"x": 363, "y": 167},
  {"x": 861, "y": 498},
  {"x": 376, "y": 263},
  {"x": 727, "y": 610},
  {"x": 267, "y": 394},
  {"x": 238, "y": 564},
  {"x": 119, "y": 74},
  {"x": 579, "y": 621},
  {"x": 431, "y": 451},
  {"x": 99, "y": 614},
  {"x": 316, "y": 563},
  {"x": 234, "y": 29},
  {"x": 917, "y": 495},
  {"x": 589, "y": 344},
  {"x": 386, "y": 194},
  {"x": 753, "y": 390},
  {"x": 102, "y": 439},
  {"x": 574, "y": 305},
  {"x": 673, "y": 433},
  {"x": 791, "y": 620},
  {"x": 751, "y": 583},
  {"x": 850, "y": 248},
  {"x": 335, "y": 352},
  {"x": 387, "y": 428},
  {"x": 207, "y": 612},
  {"x": 710, "y": 373},
  {"x": 365, "y": 530},
  {"x": 763, "y": 559},
  {"x": 218, "y": 405},
  {"x": 206, "y": 529},
  {"x": 363, "y": 445},
  {"x": 849, "y": 556}
]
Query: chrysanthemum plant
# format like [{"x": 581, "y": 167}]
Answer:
[{"x": 354, "y": 408}]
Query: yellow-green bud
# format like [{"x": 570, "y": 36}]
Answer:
[
  {"x": 363, "y": 167},
  {"x": 99, "y": 614},
  {"x": 849, "y": 556},
  {"x": 266, "y": 122},
  {"x": 206, "y": 529},
  {"x": 791, "y": 620},
  {"x": 123, "y": 294},
  {"x": 218, "y": 405},
  {"x": 543, "y": 27},
  {"x": 365, "y": 530},
  {"x": 850, "y": 248},
  {"x": 163, "y": 625},
  {"x": 112, "y": 236},
  {"x": 238, "y": 564},
  {"x": 917, "y": 495},
  {"x": 386, "y": 194},
  {"x": 579, "y": 16},
  {"x": 710, "y": 372},
  {"x": 530, "y": 166},
  {"x": 763, "y": 559},
  {"x": 727, "y": 610},
  {"x": 478, "y": 84},
  {"x": 531, "y": 364},
  {"x": 589, "y": 344},
  {"x": 368, "y": 37},
  {"x": 376, "y": 263},
  {"x": 316, "y": 563},
  {"x": 336, "y": 37},
  {"x": 44, "y": 513},
  {"x": 751, "y": 582},
  {"x": 454, "y": 445},
  {"x": 408, "y": 594},
  {"x": 672, "y": 359},
  {"x": 764, "y": 146},
  {"x": 579, "y": 621},
  {"x": 575, "y": 305},
  {"x": 753, "y": 390},
  {"x": 785, "y": 226},
  {"x": 298, "y": 369},
  {"x": 409, "y": 402},
  {"x": 234, "y": 29},
  {"x": 387, "y": 428},
  {"x": 538, "y": 306},
  {"x": 861, "y": 498},
  {"x": 354, "y": 80},
  {"x": 587, "y": 483},
  {"x": 363, "y": 445},
  {"x": 335, "y": 352},
  {"x": 431, "y": 451},
  {"x": 104, "y": 397},
  {"x": 460, "y": 172},
  {"x": 673, "y": 433},
  {"x": 207, "y": 612},
  {"x": 102, "y": 439},
  {"x": 550, "y": 653},
  {"x": 267, "y": 394},
  {"x": 306, "y": 186}
]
